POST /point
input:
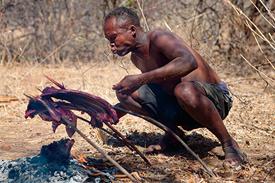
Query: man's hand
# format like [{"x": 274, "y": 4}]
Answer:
[{"x": 128, "y": 84}]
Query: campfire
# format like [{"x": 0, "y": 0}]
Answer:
[{"x": 55, "y": 164}]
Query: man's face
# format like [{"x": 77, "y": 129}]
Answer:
[{"x": 119, "y": 37}]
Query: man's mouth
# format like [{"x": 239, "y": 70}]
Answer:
[{"x": 113, "y": 51}]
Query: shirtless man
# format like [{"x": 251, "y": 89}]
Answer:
[{"x": 176, "y": 85}]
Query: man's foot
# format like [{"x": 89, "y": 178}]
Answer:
[
  {"x": 166, "y": 144},
  {"x": 227, "y": 162},
  {"x": 233, "y": 155}
]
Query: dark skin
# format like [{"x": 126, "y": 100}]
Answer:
[{"x": 166, "y": 60}]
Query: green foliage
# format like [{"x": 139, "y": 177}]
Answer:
[{"x": 129, "y": 2}]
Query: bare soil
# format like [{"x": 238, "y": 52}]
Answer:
[{"x": 250, "y": 122}]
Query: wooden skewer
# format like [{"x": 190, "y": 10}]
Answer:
[
  {"x": 127, "y": 141},
  {"x": 123, "y": 139}
]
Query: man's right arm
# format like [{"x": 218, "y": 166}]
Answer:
[{"x": 182, "y": 62}]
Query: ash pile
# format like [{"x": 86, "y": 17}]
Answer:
[{"x": 54, "y": 164}]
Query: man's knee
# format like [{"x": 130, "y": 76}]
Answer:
[{"x": 187, "y": 93}]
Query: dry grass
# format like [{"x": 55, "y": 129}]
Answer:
[{"x": 251, "y": 123}]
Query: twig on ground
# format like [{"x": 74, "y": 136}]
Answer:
[
  {"x": 264, "y": 64},
  {"x": 268, "y": 173},
  {"x": 238, "y": 97},
  {"x": 263, "y": 164}
]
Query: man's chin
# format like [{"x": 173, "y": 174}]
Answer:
[{"x": 121, "y": 54}]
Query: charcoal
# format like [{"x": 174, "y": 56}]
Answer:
[
  {"x": 53, "y": 164},
  {"x": 57, "y": 151},
  {"x": 36, "y": 170}
]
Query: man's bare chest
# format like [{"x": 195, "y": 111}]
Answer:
[{"x": 148, "y": 63}]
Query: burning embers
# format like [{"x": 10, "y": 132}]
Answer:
[
  {"x": 94, "y": 167},
  {"x": 53, "y": 164}
]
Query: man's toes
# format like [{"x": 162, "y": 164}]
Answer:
[
  {"x": 235, "y": 159},
  {"x": 153, "y": 148}
]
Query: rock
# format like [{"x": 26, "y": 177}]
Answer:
[{"x": 6, "y": 147}]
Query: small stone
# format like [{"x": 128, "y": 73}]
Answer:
[
  {"x": 256, "y": 178},
  {"x": 6, "y": 147}
]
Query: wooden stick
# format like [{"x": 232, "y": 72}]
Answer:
[
  {"x": 100, "y": 150},
  {"x": 165, "y": 128},
  {"x": 127, "y": 141},
  {"x": 123, "y": 139}
]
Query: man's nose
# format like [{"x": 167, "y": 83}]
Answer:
[{"x": 112, "y": 46}]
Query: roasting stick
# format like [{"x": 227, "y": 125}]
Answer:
[
  {"x": 100, "y": 150},
  {"x": 123, "y": 139},
  {"x": 165, "y": 128},
  {"x": 126, "y": 140}
]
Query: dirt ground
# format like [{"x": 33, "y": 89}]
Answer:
[{"x": 250, "y": 122}]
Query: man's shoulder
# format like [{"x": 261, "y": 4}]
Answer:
[
  {"x": 158, "y": 36},
  {"x": 157, "y": 32}
]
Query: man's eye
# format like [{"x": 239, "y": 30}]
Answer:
[{"x": 112, "y": 38}]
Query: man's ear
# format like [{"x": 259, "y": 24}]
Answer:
[{"x": 133, "y": 30}]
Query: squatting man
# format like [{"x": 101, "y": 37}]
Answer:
[{"x": 176, "y": 86}]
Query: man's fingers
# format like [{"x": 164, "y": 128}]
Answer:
[
  {"x": 117, "y": 87},
  {"x": 114, "y": 87},
  {"x": 123, "y": 91},
  {"x": 119, "y": 90}
]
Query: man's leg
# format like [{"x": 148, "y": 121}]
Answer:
[
  {"x": 192, "y": 98},
  {"x": 133, "y": 103}
]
